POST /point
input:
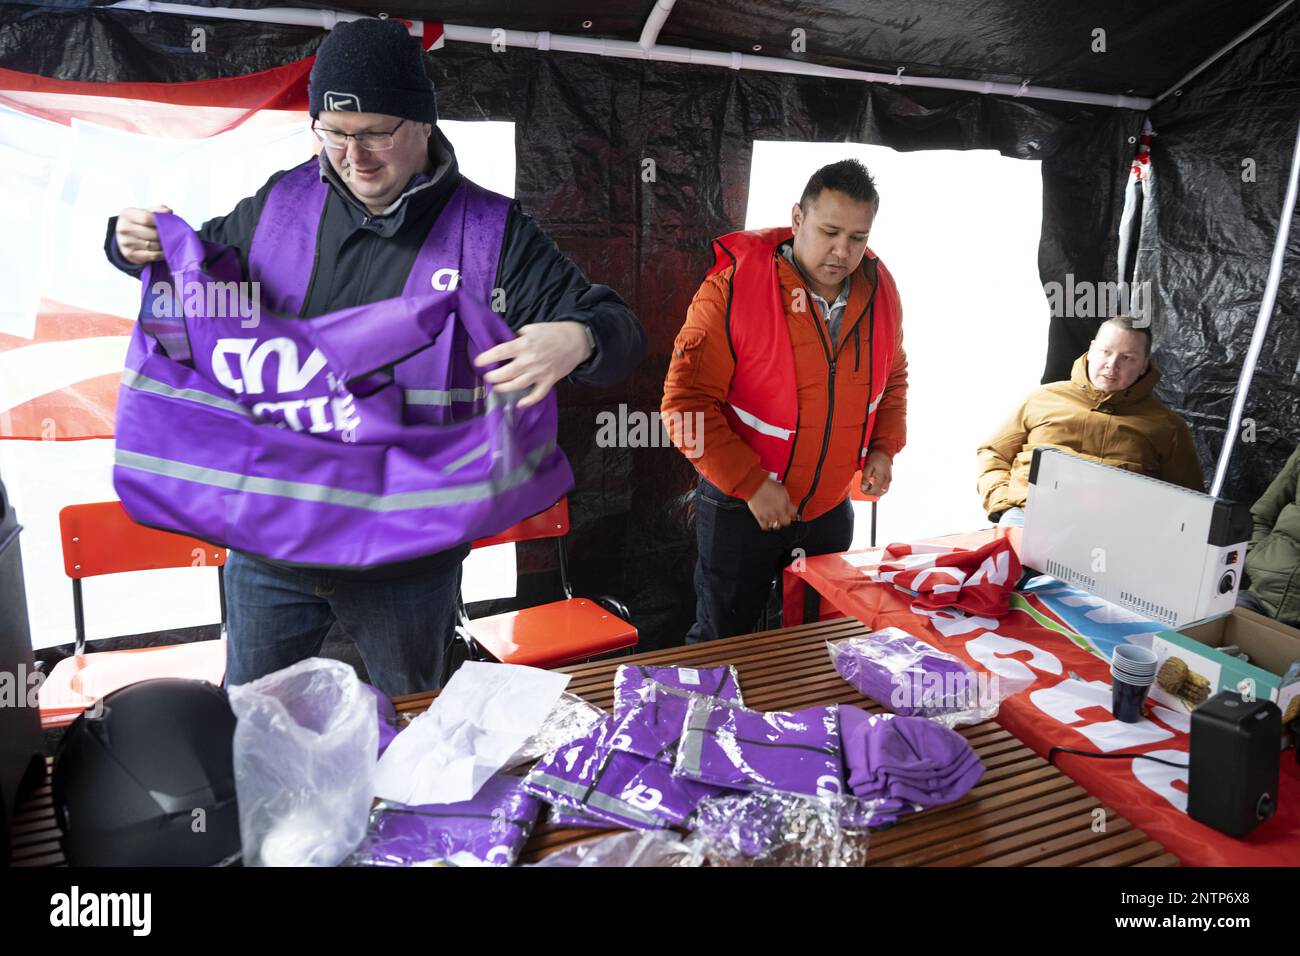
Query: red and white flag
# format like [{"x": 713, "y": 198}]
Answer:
[{"x": 978, "y": 582}]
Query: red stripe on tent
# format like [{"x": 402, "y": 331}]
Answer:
[{"x": 281, "y": 88}]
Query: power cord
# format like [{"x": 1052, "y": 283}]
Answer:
[{"x": 1051, "y": 756}]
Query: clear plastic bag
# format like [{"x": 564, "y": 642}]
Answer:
[
  {"x": 913, "y": 679},
  {"x": 739, "y": 749},
  {"x": 633, "y": 681},
  {"x": 782, "y": 829},
  {"x": 652, "y": 848},
  {"x": 304, "y": 752},
  {"x": 570, "y": 718},
  {"x": 488, "y": 830}
]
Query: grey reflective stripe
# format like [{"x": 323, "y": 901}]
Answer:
[
  {"x": 697, "y": 719},
  {"x": 466, "y": 458},
  {"x": 305, "y": 491},
  {"x": 601, "y": 801},
  {"x": 442, "y": 396},
  {"x": 872, "y": 407},
  {"x": 143, "y": 383}
]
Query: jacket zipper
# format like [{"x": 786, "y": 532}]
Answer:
[{"x": 830, "y": 396}]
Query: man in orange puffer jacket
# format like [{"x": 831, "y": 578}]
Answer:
[{"x": 792, "y": 352}]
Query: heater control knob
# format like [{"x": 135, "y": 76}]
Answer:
[
  {"x": 1266, "y": 807},
  {"x": 1227, "y": 581}
]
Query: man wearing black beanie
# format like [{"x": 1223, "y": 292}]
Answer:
[{"x": 355, "y": 226}]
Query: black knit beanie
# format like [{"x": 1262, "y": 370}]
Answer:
[{"x": 372, "y": 66}]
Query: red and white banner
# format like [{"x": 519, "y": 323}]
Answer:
[
  {"x": 1057, "y": 638},
  {"x": 74, "y": 154}
]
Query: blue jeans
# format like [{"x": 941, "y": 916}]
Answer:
[
  {"x": 738, "y": 559},
  {"x": 402, "y": 626}
]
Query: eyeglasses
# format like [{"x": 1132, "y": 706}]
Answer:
[{"x": 374, "y": 142}]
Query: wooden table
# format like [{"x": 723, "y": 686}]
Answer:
[{"x": 1023, "y": 812}]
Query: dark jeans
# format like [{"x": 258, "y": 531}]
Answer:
[
  {"x": 402, "y": 626},
  {"x": 738, "y": 559}
]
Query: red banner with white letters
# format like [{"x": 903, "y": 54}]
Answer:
[{"x": 1059, "y": 638}]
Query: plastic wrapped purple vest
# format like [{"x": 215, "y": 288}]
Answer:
[
  {"x": 721, "y": 681},
  {"x": 589, "y": 777},
  {"x": 726, "y": 746},
  {"x": 908, "y": 676},
  {"x": 489, "y": 829}
]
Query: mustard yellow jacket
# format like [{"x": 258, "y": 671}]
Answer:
[{"x": 1130, "y": 429}]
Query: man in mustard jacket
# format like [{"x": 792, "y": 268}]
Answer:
[{"x": 1106, "y": 412}]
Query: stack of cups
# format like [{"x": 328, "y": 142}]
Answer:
[{"x": 1132, "y": 671}]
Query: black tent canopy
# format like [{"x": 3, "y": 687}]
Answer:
[{"x": 693, "y": 84}]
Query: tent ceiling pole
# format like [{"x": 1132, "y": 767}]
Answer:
[
  {"x": 1223, "y": 51},
  {"x": 654, "y": 23},
  {"x": 628, "y": 49},
  {"x": 1261, "y": 323}
]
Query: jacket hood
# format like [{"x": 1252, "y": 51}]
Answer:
[{"x": 1137, "y": 392}]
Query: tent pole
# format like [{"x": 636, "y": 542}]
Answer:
[
  {"x": 1261, "y": 323},
  {"x": 654, "y": 23},
  {"x": 1223, "y": 51},
  {"x": 629, "y": 49}
]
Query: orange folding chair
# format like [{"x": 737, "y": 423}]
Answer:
[
  {"x": 101, "y": 538},
  {"x": 548, "y": 635}
]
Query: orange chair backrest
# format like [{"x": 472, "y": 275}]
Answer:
[
  {"x": 551, "y": 523},
  {"x": 101, "y": 538}
]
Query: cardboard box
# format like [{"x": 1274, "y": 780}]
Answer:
[{"x": 1192, "y": 669}]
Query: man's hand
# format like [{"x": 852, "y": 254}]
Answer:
[
  {"x": 137, "y": 235},
  {"x": 877, "y": 473},
  {"x": 771, "y": 506},
  {"x": 543, "y": 354}
]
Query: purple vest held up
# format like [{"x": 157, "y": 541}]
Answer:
[
  {"x": 460, "y": 252},
  {"x": 351, "y": 439}
]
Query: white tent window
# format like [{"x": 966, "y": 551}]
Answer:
[{"x": 959, "y": 231}]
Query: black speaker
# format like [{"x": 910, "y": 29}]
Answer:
[{"x": 1234, "y": 763}]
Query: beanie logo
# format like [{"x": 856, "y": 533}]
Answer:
[{"x": 340, "y": 102}]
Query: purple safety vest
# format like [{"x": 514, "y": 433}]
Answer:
[{"x": 352, "y": 439}]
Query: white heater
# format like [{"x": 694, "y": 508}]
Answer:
[{"x": 1167, "y": 553}]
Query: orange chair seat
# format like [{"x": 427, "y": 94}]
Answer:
[
  {"x": 76, "y": 683},
  {"x": 549, "y": 635}
]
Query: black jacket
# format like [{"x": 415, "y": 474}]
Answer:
[{"x": 365, "y": 257}]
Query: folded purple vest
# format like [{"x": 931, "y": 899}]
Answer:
[
  {"x": 491, "y": 828},
  {"x": 292, "y": 439},
  {"x": 629, "y": 679},
  {"x": 910, "y": 763},
  {"x": 728, "y": 746},
  {"x": 619, "y": 788},
  {"x": 653, "y": 723}
]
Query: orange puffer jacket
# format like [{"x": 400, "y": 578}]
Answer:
[{"x": 699, "y": 379}]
